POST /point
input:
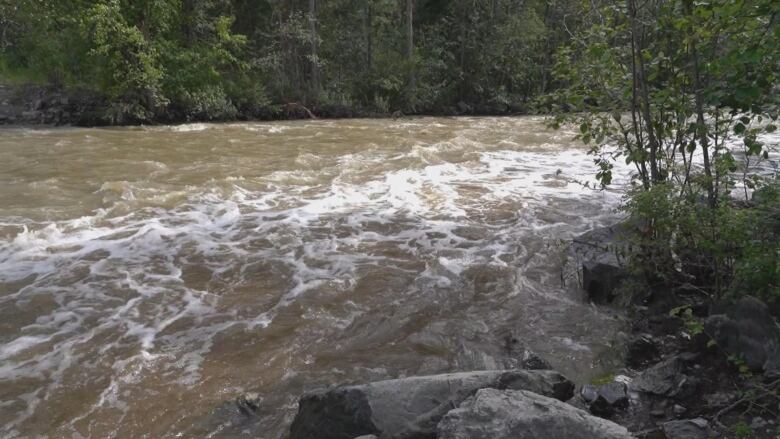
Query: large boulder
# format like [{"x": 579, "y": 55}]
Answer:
[
  {"x": 520, "y": 414},
  {"x": 748, "y": 330},
  {"x": 597, "y": 253},
  {"x": 697, "y": 428},
  {"x": 603, "y": 400},
  {"x": 664, "y": 379},
  {"x": 411, "y": 407}
]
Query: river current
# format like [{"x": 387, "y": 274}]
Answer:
[{"x": 149, "y": 276}]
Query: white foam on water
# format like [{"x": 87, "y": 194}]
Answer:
[
  {"x": 189, "y": 127},
  {"x": 145, "y": 285}
]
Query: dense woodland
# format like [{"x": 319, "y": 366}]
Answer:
[{"x": 216, "y": 59}]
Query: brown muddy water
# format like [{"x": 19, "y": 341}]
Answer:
[{"x": 149, "y": 276}]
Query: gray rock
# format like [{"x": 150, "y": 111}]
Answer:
[
  {"x": 748, "y": 330},
  {"x": 596, "y": 252},
  {"x": 605, "y": 399},
  {"x": 519, "y": 414},
  {"x": 758, "y": 423},
  {"x": 367, "y": 436},
  {"x": 248, "y": 404},
  {"x": 532, "y": 361},
  {"x": 697, "y": 428},
  {"x": 411, "y": 407},
  {"x": 642, "y": 350},
  {"x": 665, "y": 378}
]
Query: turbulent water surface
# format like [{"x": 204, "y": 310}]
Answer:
[{"x": 149, "y": 276}]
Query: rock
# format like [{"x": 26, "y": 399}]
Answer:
[
  {"x": 654, "y": 433},
  {"x": 612, "y": 396},
  {"x": 532, "y": 361},
  {"x": 605, "y": 399},
  {"x": 597, "y": 254},
  {"x": 589, "y": 393},
  {"x": 519, "y": 414},
  {"x": 664, "y": 379},
  {"x": 408, "y": 407},
  {"x": 367, "y": 436},
  {"x": 600, "y": 281},
  {"x": 749, "y": 331},
  {"x": 758, "y": 423},
  {"x": 678, "y": 409},
  {"x": 248, "y": 404},
  {"x": 697, "y": 428},
  {"x": 642, "y": 350}
]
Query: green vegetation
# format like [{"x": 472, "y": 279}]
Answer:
[
  {"x": 220, "y": 59},
  {"x": 684, "y": 91}
]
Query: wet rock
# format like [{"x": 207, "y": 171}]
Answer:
[
  {"x": 597, "y": 254},
  {"x": 664, "y": 379},
  {"x": 248, "y": 404},
  {"x": 758, "y": 423},
  {"x": 511, "y": 414},
  {"x": 642, "y": 350},
  {"x": 612, "y": 396},
  {"x": 601, "y": 281},
  {"x": 697, "y": 428},
  {"x": 408, "y": 407},
  {"x": 605, "y": 399},
  {"x": 532, "y": 361},
  {"x": 748, "y": 330},
  {"x": 654, "y": 433}
]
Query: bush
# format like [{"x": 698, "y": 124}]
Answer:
[
  {"x": 732, "y": 249},
  {"x": 207, "y": 103}
]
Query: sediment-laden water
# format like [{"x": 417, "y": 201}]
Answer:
[{"x": 149, "y": 276}]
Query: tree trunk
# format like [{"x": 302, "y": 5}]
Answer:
[
  {"x": 640, "y": 79},
  {"x": 410, "y": 45},
  {"x": 701, "y": 129},
  {"x": 315, "y": 71},
  {"x": 369, "y": 26}
]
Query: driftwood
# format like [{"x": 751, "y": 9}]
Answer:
[{"x": 292, "y": 108}]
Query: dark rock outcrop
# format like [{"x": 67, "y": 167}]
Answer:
[
  {"x": 605, "y": 399},
  {"x": 32, "y": 105},
  {"x": 687, "y": 429},
  {"x": 408, "y": 408},
  {"x": 519, "y": 414},
  {"x": 664, "y": 379},
  {"x": 642, "y": 350},
  {"x": 597, "y": 253},
  {"x": 748, "y": 330}
]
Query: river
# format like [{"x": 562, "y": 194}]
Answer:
[{"x": 151, "y": 275}]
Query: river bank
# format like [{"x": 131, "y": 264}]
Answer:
[
  {"x": 694, "y": 369},
  {"x": 45, "y": 105}
]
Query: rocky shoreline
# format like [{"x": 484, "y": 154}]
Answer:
[
  {"x": 42, "y": 105},
  {"x": 694, "y": 369}
]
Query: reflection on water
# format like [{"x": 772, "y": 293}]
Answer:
[{"x": 149, "y": 276}]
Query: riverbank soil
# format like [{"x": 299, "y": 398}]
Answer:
[{"x": 695, "y": 367}]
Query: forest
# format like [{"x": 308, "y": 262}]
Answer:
[{"x": 221, "y": 59}]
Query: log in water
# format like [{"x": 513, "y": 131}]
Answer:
[{"x": 150, "y": 276}]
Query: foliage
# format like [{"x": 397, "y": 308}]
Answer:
[
  {"x": 742, "y": 429},
  {"x": 216, "y": 59},
  {"x": 682, "y": 92}
]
